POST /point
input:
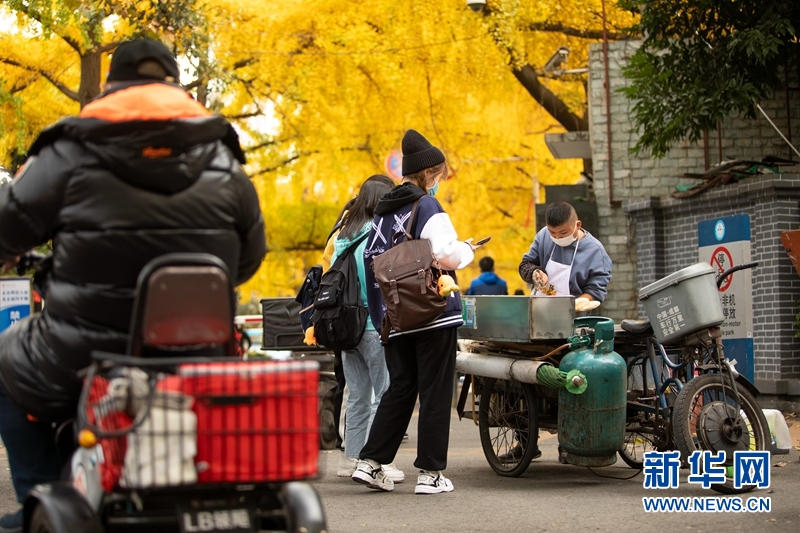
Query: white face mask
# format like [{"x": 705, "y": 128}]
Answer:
[{"x": 565, "y": 241}]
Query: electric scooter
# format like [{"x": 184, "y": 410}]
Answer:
[{"x": 179, "y": 435}]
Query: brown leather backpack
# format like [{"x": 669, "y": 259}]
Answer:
[{"x": 407, "y": 274}]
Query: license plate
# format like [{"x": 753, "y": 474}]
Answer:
[{"x": 238, "y": 520}]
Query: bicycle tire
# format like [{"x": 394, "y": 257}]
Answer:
[
  {"x": 706, "y": 394},
  {"x": 505, "y": 408},
  {"x": 641, "y": 430},
  {"x": 636, "y": 443}
]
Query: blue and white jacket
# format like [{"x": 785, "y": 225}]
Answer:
[{"x": 432, "y": 223}]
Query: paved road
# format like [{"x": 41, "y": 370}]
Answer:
[{"x": 549, "y": 497}]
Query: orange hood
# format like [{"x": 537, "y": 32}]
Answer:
[{"x": 153, "y": 101}]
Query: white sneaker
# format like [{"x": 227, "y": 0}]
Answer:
[
  {"x": 371, "y": 474},
  {"x": 393, "y": 473},
  {"x": 346, "y": 466},
  {"x": 432, "y": 482}
]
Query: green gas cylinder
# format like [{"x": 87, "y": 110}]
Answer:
[{"x": 591, "y": 425}]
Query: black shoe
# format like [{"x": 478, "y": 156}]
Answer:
[
  {"x": 11, "y": 523},
  {"x": 514, "y": 455}
]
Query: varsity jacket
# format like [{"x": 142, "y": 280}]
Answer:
[{"x": 432, "y": 223}]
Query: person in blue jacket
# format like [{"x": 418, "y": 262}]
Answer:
[
  {"x": 566, "y": 256},
  {"x": 488, "y": 282},
  {"x": 564, "y": 259},
  {"x": 421, "y": 361}
]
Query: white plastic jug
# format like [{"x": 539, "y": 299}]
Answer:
[{"x": 781, "y": 440}]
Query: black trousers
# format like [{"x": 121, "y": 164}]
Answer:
[{"x": 419, "y": 363}]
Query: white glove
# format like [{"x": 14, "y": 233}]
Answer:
[{"x": 585, "y": 304}]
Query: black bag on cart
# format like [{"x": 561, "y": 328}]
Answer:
[{"x": 281, "y": 324}]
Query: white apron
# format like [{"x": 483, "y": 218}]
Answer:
[{"x": 558, "y": 274}]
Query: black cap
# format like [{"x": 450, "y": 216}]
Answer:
[
  {"x": 128, "y": 55},
  {"x": 418, "y": 153}
]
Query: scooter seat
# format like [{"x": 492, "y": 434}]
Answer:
[{"x": 638, "y": 327}]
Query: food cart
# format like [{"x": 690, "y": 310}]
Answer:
[
  {"x": 531, "y": 364},
  {"x": 513, "y": 348}
]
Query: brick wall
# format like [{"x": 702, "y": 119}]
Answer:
[
  {"x": 773, "y": 204},
  {"x": 650, "y": 235}
]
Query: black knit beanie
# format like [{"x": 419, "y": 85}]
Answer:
[
  {"x": 128, "y": 55},
  {"x": 418, "y": 153}
]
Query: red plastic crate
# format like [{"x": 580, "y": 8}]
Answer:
[
  {"x": 107, "y": 417},
  {"x": 256, "y": 421}
]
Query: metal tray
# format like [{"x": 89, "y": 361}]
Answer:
[{"x": 517, "y": 318}]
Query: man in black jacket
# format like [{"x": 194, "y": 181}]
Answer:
[{"x": 144, "y": 170}]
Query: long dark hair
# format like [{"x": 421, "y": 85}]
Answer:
[{"x": 363, "y": 209}]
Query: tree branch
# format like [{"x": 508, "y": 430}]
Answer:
[
  {"x": 282, "y": 164},
  {"x": 549, "y": 101},
  {"x": 358, "y": 148},
  {"x": 108, "y": 46},
  {"x": 573, "y": 32},
  {"x": 243, "y": 63},
  {"x": 194, "y": 85},
  {"x": 49, "y": 77},
  {"x": 271, "y": 142},
  {"x": 527, "y": 76},
  {"x": 242, "y": 116},
  {"x": 75, "y": 45}
]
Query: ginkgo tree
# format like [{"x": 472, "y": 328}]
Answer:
[
  {"x": 52, "y": 57},
  {"x": 322, "y": 91},
  {"x": 347, "y": 79}
]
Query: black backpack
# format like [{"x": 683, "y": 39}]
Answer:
[
  {"x": 306, "y": 294},
  {"x": 340, "y": 317}
]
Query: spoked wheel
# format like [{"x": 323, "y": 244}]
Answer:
[
  {"x": 707, "y": 416},
  {"x": 508, "y": 419},
  {"x": 638, "y": 441},
  {"x": 644, "y": 431}
]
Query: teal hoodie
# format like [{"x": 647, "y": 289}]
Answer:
[{"x": 341, "y": 244}]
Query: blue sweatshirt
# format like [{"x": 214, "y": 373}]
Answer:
[
  {"x": 432, "y": 223},
  {"x": 487, "y": 283},
  {"x": 591, "y": 270}
]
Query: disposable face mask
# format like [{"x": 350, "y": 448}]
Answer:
[
  {"x": 565, "y": 241},
  {"x": 432, "y": 190}
]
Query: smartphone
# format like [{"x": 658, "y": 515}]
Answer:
[{"x": 482, "y": 241}]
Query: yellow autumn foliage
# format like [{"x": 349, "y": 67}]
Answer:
[{"x": 322, "y": 91}]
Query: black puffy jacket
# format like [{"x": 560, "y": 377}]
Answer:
[{"x": 145, "y": 170}]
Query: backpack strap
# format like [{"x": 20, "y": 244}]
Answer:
[
  {"x": 349, "y": 250},
  {"x": 409, "y": 224}
]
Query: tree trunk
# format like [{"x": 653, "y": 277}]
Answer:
[
  {"x": 90, "y": 77},
  {"x": 202, "y": 94},
  {"x": 549, "y": 101}
]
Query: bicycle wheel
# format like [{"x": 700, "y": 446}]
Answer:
[
  {"x": 508, "y": 417},
  {"x": 707, "y": 416},
  {"x": 644, "y": 431},
  {"x": 638, "y": 440}
]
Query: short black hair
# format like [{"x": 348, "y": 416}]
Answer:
[
  {"x": 486, "y": 264},
  {"x": 558, "y": 213}
]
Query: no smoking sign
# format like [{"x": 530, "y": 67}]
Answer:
[
  {"x": 722, "y": 260},
  {"x": 724, "y": 243}
]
